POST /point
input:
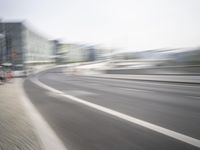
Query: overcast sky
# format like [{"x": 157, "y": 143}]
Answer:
[{"x": 126, "y": 24}]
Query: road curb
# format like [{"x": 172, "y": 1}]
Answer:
[
  {"x": 48, "y": 138},
  {"x": 16, "y": 129}
]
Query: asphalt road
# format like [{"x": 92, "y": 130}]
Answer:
[{"x": 171, "y": 106}]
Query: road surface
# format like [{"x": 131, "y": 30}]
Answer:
[{"x": 175, "y": 107}]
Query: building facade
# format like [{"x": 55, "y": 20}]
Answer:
[
  {"x": 24, "y": 46},
  {"x": 70, "y": 53}
]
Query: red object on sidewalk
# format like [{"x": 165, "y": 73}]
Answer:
[{"x": 9, "y": 75}]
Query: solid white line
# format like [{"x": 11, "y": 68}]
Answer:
[
  {"x": 48, "y": 137},
  {"x": 159, "y": 129}
]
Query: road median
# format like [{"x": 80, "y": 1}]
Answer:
[{"x": 155, "y": 78}]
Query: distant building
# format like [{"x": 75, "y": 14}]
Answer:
[
  {"x": 55, "y": 47},
  {"x": 92, "y": 53},
  {"x": 69, "y": 53},
  {"x": 24, "y": 46},
  {"x": 55, "y": 50}
]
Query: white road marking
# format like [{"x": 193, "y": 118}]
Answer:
[
  {"x": 80, "y": 93},
  {"x": 48, "y": 137},
  {"x": 159, "y": 129}
]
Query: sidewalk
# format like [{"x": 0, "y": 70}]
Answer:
[{"x": 16, "y": 130}]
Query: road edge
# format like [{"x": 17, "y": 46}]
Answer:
[{"x": 48, "y": 138}]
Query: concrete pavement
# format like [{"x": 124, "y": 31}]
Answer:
[{"x": 16, "y": 130}]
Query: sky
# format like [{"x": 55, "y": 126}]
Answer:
[{"x": 128, "y": 25}]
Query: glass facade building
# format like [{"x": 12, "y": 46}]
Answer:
[{"x": 24, "y": 46}]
